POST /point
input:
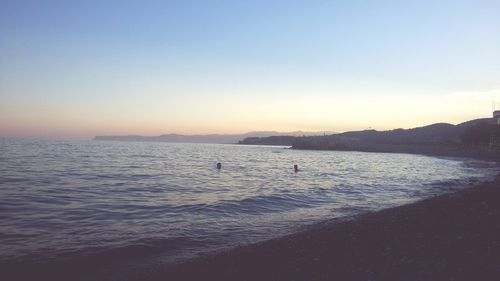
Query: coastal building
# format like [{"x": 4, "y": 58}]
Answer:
[
  {"x": 496, "y": 116},
  {"x": 495, "y": 135}
]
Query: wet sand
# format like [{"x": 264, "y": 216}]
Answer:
[{"x": 449, "y": 237}]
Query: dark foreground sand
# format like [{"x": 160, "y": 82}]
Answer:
[{"x": 450, "y": 237}]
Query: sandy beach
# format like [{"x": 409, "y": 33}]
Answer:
[{"x": 448, "y": 237}]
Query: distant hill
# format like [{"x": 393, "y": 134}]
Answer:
[
  {"x": 466, "y": 139},
  {"x": 439, "y": 133},
  {"x": 272, "y": 140},
  {"x": 211, "y": 138},
  {"x": 435, "y": 133}
]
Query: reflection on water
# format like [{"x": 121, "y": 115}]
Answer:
[{"x": 60, "y": 197}]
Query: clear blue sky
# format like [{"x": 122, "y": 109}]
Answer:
[{"x": 80, "y": 68}]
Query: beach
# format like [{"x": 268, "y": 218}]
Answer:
[
  {"x": 448, "y": 237},
  {"x": 249, "y": 140},
  {"x": 350, "y": 231},
  {"x": 455, "y": 236}
]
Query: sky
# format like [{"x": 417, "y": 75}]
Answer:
[{"x": 75, "y": 69}]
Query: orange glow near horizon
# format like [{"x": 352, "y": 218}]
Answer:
[
  {"x": 234, "y": 117},
  {"x": 76, "y": 70}
]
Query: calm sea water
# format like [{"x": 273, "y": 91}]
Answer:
[{"x": 61, "y": 199}]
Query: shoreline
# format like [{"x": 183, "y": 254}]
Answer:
[
  {"x": 325, "y": 250},
  {"x": 484, "y": 153},
  {"x": 454, "y": 236}
]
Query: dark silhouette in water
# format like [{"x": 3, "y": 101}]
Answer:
[
  {"x": 219, "y": 166},
  {"x": 296, "y": 168}
]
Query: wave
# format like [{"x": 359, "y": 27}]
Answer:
[
  {"x": 134, "y": 249},
  {"x": 106, "y": 201},
  {"x": 255, "y": 205}
]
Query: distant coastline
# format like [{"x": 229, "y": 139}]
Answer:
[
  {"x": 472, "y": 139},
  {"x": 469, "y": 139},
  {"x": 210, "y": 138}
]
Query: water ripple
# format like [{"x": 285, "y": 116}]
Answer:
[{"x": 67, "y": 199}]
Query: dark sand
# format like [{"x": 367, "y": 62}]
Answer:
[{"x": 449, "y": 237}]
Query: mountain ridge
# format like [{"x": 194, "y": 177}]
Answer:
[
  {"x": 205, "y": 138},
  {"x": 478, "y": 138}
]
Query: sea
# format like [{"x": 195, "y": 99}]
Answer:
[{"x": 163, "y": 203}]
